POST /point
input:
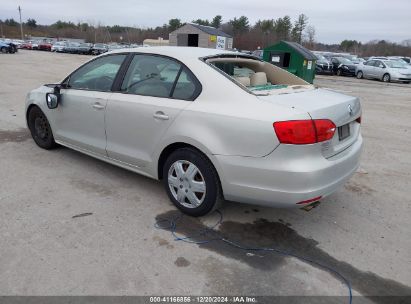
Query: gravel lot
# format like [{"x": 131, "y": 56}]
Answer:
[{"x": 363, "y": 230}]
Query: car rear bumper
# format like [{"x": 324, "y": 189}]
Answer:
[{"x": 286, "y": 176}]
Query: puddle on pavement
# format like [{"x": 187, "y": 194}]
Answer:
[
  {"x": 14, "y": 135},
  {"x": 263, "y": 233}
]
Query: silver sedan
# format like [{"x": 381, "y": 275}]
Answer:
[
  {"x": 385, "y": 70},
  {"x": 210, "y": 124}
]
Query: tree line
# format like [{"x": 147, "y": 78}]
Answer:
[{"x": 246, "y": 36}]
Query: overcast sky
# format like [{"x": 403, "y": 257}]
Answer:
[{"x": 334, "y": 21}]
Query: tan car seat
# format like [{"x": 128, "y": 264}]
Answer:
[
  {"x": 245, "y": 81},
  {"x": 259, "y": 78}
]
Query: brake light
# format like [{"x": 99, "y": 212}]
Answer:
[{"x": 302, "y": 132}]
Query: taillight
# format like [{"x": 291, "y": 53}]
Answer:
[{"x": 302, "y": 132}]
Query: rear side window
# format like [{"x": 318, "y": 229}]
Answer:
[
  {"x": 158, "y": 76},
  {"x": 97, "y": 75},
  {"x": 151, "y": 76},
  {"x": 185, "y": 87}
]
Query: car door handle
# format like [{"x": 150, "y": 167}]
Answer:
[
  {"x": 161, "y": 115},
  {"x": 98, "y": 106}
]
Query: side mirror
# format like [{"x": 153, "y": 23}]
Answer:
[{"x": 52, "y": 100}]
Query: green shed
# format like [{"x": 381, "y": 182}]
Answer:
[{"x": 292, "y": 57}]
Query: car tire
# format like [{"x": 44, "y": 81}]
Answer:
[
  {"x": 40, "y": 129},
  {"x": 339, "y": 72},
  {"x": 3, "y": 50},
  {"x": 185, "y": 169},
  {"x": 386, "y": 77},
  {"x": 360, "y": 75}
]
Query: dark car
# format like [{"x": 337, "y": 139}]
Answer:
[
  {"x": 85, "y": 48},
  {"x": 7, "y": 47},
  {"x": 99, "y": 48},
  {"x": 343, "y": 67},
  {"x": 72, "y": 48},
  {"x": 323, "y": 65}
]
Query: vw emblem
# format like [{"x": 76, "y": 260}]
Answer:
[{"x": 350, "y": 110}]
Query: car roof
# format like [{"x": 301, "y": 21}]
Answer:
[{"x": 179, "y": 52}]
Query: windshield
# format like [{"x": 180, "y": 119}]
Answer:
[
  {"x": 395, "y": 64},
  {"x": 320, "y": 57},
  {"x": 344, "y": 60}
]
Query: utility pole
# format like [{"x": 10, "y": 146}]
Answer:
[{"x": 21, "y": 24}]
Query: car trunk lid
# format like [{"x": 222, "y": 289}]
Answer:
[{"x": 343, "y": 110}]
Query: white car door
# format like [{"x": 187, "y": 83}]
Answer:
[
  {"x": 79, "y": 118},
  {"x": 154, "y": 91}
]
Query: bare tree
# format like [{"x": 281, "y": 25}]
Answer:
[{"x": 310, "y": 32}]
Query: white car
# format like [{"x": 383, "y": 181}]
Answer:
[
  {"x": 59, "y": 46},
  {"x": 211, "y": 124}
]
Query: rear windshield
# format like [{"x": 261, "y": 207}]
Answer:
[
  {"x": 258, "y": 77},
  {"x": 395, "y": 64}
]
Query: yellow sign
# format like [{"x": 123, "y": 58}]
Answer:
[{"x": 213, "y": 38}]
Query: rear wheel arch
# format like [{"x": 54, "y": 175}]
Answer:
[
  {"x": 212, "y": 195},
  {"x": 168, "y": 150}
]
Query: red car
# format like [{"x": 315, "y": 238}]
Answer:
[
  {"x": 45, "y": 46},
  {"x": 26, "y": 45}
]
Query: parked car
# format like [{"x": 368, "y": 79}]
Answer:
[
  {"x": 59, "y": 46},
  {"x": 72, "y": 48},
  {"x": 99, "y": 48},
  {"x": 35, "y": 45},
  {"x": 385, "y": 70},
  {"x": 85, "y": 48},
  {"x": 45, "y": 46},
  {"x": 407, "y": 60},
  {"x": 342, "y": 66},
  {"x": 5, "y": 47},
  {"x": 258, "y": 53},
  {"x": 12, "y": 47},
  {"x": 323, "y": 65},
  {"x": 267, "y": 137},
  {"x": 27, "y": 45},
  {"x": 377, "y": 58},
  {"x": 115, "y": 46}
]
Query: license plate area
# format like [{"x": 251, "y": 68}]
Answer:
[{"x": 344, "y": 132}]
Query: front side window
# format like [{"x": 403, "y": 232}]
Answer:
[
  {"x": 151, "y": 76},
  {"x": 98, "y": 75}
]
